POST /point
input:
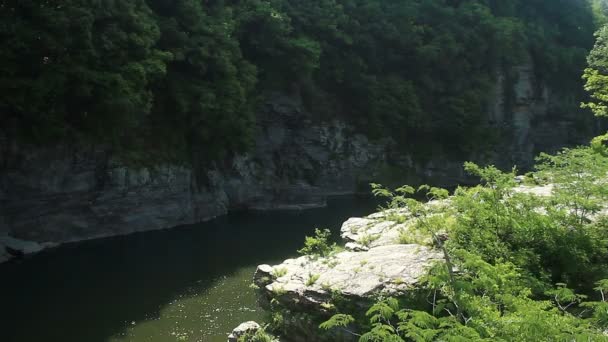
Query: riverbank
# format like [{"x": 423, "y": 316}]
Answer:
[{"x": 13, "y": 248}]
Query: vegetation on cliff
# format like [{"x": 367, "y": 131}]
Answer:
[{"x": 184, "y": 77}]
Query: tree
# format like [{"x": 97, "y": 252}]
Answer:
[
  {"x": 204, "y": 104},
  {"x": 78, "y": 68},
  {"x": 596, "y": 75},
  {"x": 182, "y": 79}
]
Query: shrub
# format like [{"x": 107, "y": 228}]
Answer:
[
  {"x": 318, "y": 245},
  {"x": 279, "y": 272}
]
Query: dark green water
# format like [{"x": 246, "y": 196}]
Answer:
[{"x": 185, "y": 284}]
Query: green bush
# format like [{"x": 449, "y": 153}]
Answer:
[{"x": 318, "y": 245}]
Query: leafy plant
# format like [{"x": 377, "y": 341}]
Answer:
[
  {"x": 318, "y": 245},
  {"x": 312, "y": 279},
  {"x": 339, "y": 320},
  {"x": 579, "y": 178},
  {"x": 279, "y": 272},
  {"x": 167, "y": 80},
  {"x": 368, "y": 239},
  {"x": 278, "y": 291}
]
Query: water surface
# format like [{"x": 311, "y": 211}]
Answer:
[{"x": 190, "y": 283}]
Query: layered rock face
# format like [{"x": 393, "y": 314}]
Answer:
[
  {"x": 62, "y": 194},
  {"x": 537, "y": 118}
]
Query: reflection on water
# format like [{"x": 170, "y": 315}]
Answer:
[
  {"x": 185, "y": 284},
  {"x": 202, "y": 314}
]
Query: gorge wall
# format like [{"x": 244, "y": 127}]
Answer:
[{"x": 64, "y": 193}]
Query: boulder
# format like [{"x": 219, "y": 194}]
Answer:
[
  {"x": 307, "y": 283},
  {"x": 364, "y": 233},
  {"x": 242, "y": 329}
]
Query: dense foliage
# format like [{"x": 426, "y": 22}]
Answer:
[
  {"x": 519, "y": 263},
  {"x": 184, "y": 76},
  {"x": 517, "y": 266}
]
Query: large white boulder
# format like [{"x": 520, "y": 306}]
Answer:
[{"x": 305, "y": 281}]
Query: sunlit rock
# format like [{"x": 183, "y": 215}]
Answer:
[
  {"x": 309, "y": 282},
  {"x": 364, "y": 233},
  {"x": 242, "y": 329}
]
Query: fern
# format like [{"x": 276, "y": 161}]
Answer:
[
  {"x": 337, "y": 321},
  {"x": 382, "y": 311}
]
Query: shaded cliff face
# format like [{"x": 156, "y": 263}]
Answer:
[
  {"x": 62, "y": 194},
  {"x": 535, "y": 118}
]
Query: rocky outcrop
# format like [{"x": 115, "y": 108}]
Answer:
[
  {"x": 384, "y": 257},
  {"x": 375, "y": 262},
  {"x": 307, "y": 284},
  {"x": 21, "y": 247},
  {"x": 62, "y": 196},
  {"x": 369, "y": 268}
]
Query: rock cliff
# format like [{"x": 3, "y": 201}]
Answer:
[{"x": 63, "y": 193}]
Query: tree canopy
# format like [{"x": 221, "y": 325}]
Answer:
[{"x": 186, "y": 76}]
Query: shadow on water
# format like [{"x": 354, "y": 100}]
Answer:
[{"x": 99, "y": 290}]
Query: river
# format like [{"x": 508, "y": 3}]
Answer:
[{"x": 190, "y": 283}]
